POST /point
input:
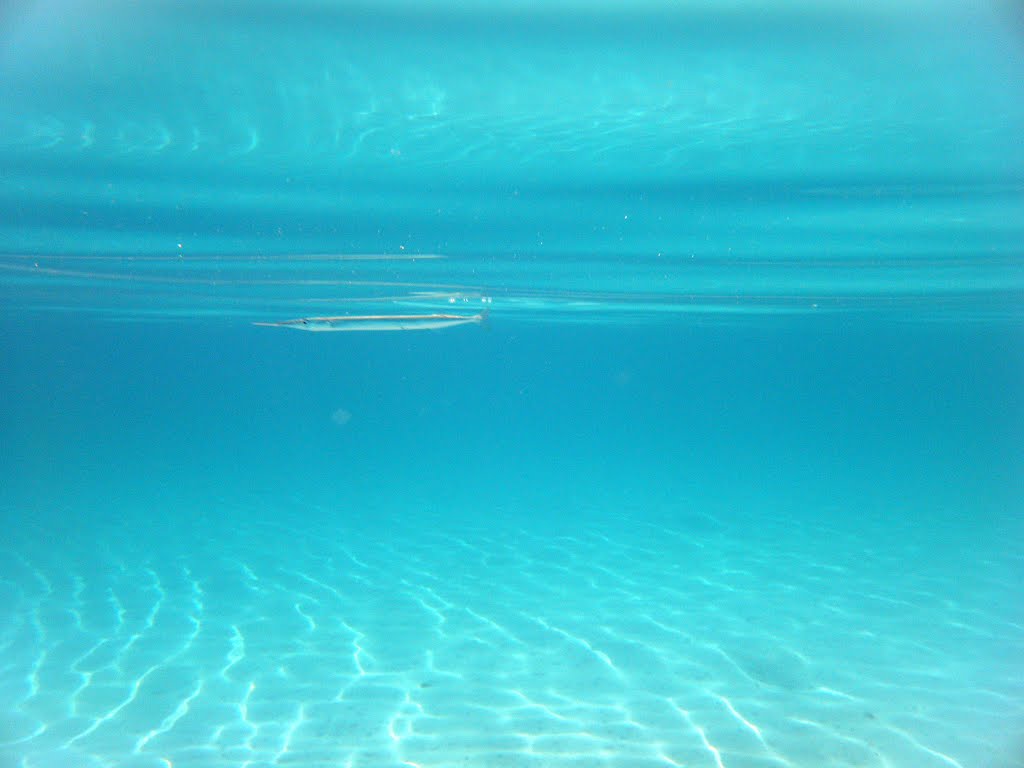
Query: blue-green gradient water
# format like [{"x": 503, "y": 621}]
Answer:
[{"x": 730, "y": 475}]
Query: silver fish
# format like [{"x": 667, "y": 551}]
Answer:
[{"x": 378, "y": 322}]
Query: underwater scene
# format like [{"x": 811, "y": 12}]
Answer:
[{"x": 463, "y": 384}]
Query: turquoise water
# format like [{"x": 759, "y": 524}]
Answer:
[{"x": 729, "y": 474}]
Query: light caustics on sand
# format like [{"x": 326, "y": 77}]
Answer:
[
  {"x": 453, "y": 639},
  {"x": 379, "y": 322}
]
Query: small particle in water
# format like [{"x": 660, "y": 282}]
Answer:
[{"x": 341, "y": 417}]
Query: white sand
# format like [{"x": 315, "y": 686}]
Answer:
[{"x": 412, "y": 641}]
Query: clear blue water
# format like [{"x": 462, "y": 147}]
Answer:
[{"x": 731, "y": 475}]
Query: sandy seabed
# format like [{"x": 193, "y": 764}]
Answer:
[{"x": 418, "y": 640}]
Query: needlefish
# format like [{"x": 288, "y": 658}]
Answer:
[{"x": 378, "y": 322}]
